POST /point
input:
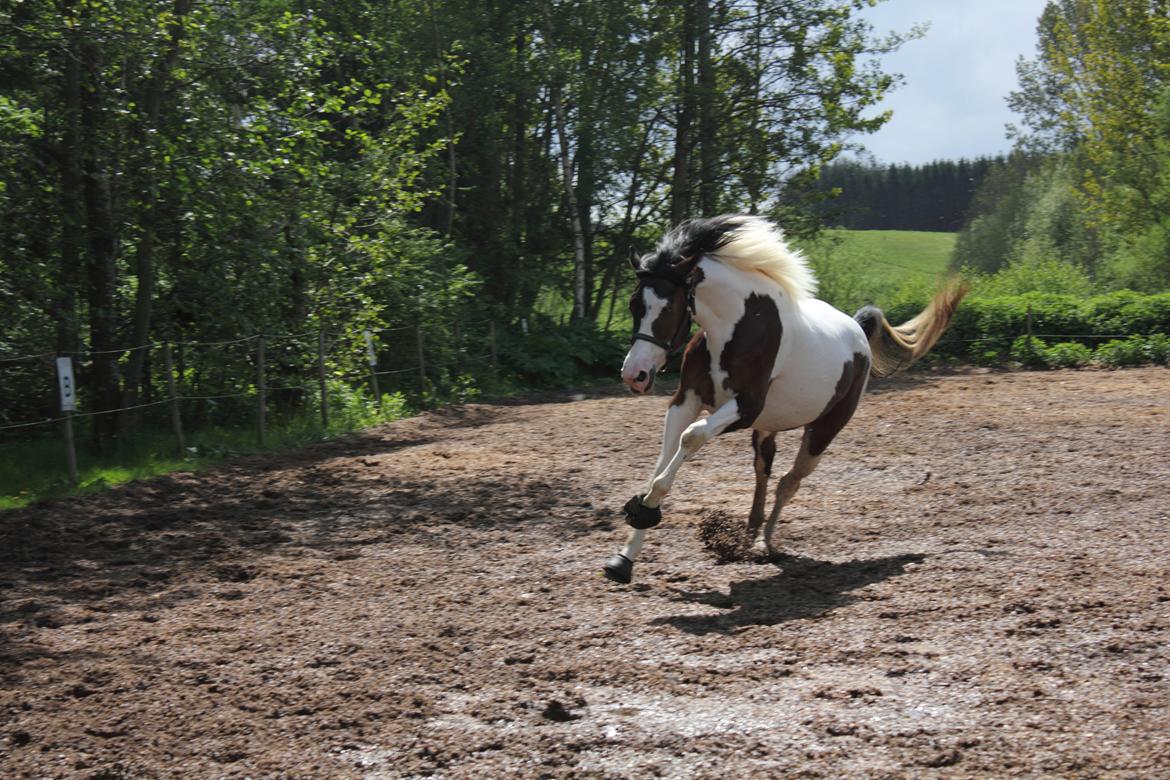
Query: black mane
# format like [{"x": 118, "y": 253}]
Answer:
[{"x": 691, "y": 238}]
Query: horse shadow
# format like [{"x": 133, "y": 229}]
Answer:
[{"x": 804, "y": 588}]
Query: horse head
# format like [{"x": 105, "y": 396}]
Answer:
[{"x": 661, "y": 306}]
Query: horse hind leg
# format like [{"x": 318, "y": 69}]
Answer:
[
  {"x": 764, "y": 447},
  {"x": 804, "y": 465},
  {"x": 817, "y": 437}
]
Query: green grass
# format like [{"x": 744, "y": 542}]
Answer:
[
  {"x": 856, "y": 267},
  {"x": 36, "y": 469}
]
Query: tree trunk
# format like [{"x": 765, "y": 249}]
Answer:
[
  {"x": 101, "y": 229},
  {"x": 68, "y": 157},
  {"x": 452, "y": 177},
  {"x": 580, "y": 271},
  {"x": 680, "y": 188},
  {"x": 708, "y": 143},
  {"x": 144, "y": 265}
]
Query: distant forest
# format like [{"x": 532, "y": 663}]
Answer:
[{"x": 871, "y": 196}]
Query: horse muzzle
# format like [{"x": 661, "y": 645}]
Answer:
[{"x": 640, "y": 383}]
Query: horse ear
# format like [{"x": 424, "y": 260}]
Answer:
[
  {"x": 634, "y": 260},
  {"x": 684, "y": 265}
]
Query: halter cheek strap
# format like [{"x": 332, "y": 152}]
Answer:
[{"x": 667, "y": 345}]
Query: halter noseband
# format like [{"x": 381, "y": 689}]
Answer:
[{"x": 679, "y": 337}]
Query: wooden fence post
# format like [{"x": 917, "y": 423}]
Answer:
[
  {"x": 173, "y": 396},
  {"x": 70, "y": 448},
  {"x": 261, "y": 391},
  {"x": 422, "y": 364},
  {"x": 492, "y": 336},
  {"x": 321, "y": 378},
  {"x": 372, "y": 359}
]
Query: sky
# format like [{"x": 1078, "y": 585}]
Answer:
[{"x": 957, "y": 77}]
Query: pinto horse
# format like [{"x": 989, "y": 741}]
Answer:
[{"x": 768, "y": 356}]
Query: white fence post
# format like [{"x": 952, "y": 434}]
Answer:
[
  {"x": 372, "y": 359},
  {"x": 68, "y": 406}
]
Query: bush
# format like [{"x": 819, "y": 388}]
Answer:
[
  {"x": 1118, "y": 352},
  {"x": 1029, "y": 351},
  {"x": 987, "y": 330},
  {"x": 1068, "y": 355},
  {"x": 1135, "y": 351},
  {"x": 554, "y": 355},
  {"x": 1158, "y": 348}
]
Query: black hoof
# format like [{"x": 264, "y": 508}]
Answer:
[
  {"x": 640, "y": 516},
  {"x": 619, "y": 568}
]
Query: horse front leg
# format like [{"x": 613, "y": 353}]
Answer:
[
  {"x": 683, "y": 411},
  {"x": 643, "y": 512},
  {"x": 694, "y": 437}
]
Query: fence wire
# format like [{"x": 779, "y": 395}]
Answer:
[{"x": 331, "y": 341}]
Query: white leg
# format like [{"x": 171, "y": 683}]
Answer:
[
  {"x": 634, "y": 543},
  {"x": 696, "y": 435},
  {"x": 678, "y": 417}
]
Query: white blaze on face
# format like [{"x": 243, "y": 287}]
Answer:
[{"x": 644, "y": 359}]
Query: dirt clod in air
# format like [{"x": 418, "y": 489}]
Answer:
[{"x": 724, "y": 535}]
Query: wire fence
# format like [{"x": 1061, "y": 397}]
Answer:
[
  {"x": 252, "y": 374},
  {"x": 238, "y": 382}
]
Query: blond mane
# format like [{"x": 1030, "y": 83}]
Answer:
[{"x": 758, "y": 245}]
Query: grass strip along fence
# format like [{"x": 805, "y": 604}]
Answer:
[{"x": 205, "y": 400}]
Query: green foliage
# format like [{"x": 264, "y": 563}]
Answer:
[
  {"x": 990, "y": 330},
  {"x": 1134, "y": 351},
  {"x": 552, "y": 355},
  {"x": 1068, "y": 355},
  {"x": 1096, "y": 105},
  {"x": 1038, "y": 275},
  {"x": 1029, "y": 351}
]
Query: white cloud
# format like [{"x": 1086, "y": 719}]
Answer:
[{"x": 957, "y": 77}]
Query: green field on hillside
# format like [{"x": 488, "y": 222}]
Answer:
[{"x": 856, "y": 267}]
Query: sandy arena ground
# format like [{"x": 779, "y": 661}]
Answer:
[{"x": 975, "y": 585}]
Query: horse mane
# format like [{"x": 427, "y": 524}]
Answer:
[{"x": 748, "y": 243}]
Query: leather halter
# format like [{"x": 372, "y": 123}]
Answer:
[{"x": 678, "y": 340}]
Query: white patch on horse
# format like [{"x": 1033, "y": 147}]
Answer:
[{"x": 644, "y": 356}]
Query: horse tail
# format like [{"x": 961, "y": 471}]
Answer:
[{"x": 895, "y": 347}]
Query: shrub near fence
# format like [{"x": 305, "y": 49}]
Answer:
[{"x": 984, "y": 330}]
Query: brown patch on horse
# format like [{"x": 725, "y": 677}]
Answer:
[
  {"x": 840, "y": 409},
  {"x": 749, "y": 356},
  {"x": 696, "y": 373},
  {"x": 764, "y": 446}
]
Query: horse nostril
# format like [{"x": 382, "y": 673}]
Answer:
[{"x": 641, "y": 376}]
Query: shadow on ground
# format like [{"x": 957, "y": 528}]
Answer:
[
  {"x": 152, "y": 543},
  {"x": 805, "y": 588}
]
